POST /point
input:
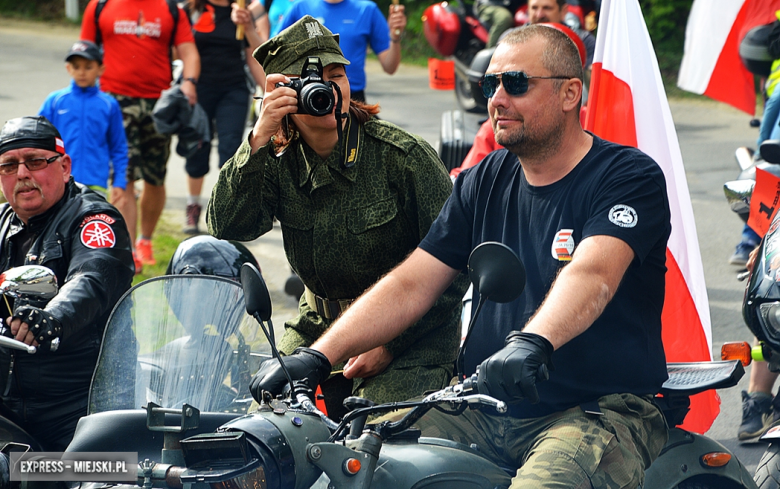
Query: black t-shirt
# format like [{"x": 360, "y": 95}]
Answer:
[
  {"x": 221, "y": 59},
  {"x": 616, "y": 191}
]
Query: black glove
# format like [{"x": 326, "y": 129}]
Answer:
[
  {"x": 511, "y": 373},
  {"x": 303, "y": 363},
  {"x": 46, "y": 329}
]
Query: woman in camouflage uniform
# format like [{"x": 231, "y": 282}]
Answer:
[{"x": 347, "y": 216}]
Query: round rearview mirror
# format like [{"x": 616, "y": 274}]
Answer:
[
  {"x": 256, "y": 296},
  {"x": 496, "y": 272}
]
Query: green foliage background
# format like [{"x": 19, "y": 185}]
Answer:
[{"x": 665, "y": 20}]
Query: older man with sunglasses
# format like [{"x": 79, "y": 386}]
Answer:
[
  {"x": 590, "y": 219},
  {"x": 52, "y": 221}
]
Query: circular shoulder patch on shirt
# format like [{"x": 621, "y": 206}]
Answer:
[
  {"x": 98, "y": 234},
  {"x": 623, "y": 216}
]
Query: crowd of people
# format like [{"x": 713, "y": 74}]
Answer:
[{"x": 372, "y": 224}]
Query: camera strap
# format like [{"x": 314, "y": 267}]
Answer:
[{"x": 352, "y": 143}]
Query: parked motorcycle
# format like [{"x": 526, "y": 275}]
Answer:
[
  {"x": 738, "y": 191},
  {"x": 192, "y": 431},
  {"x": 453, "y": 30},
  {"x": 761, "y": 305}
]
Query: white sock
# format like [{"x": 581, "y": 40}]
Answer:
[{"x": 193, "y": 199}]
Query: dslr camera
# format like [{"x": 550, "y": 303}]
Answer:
[{"x": 315, "y": 97}]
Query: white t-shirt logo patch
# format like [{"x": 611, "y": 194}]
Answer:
[
  {"x": 623, "y": 215},
  {"x": 563, "y": 245}
]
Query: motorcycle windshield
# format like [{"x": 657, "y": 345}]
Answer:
[{"x": 179, "y": 339}]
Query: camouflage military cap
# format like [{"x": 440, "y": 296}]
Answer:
[{"x": 287, "y": 51}]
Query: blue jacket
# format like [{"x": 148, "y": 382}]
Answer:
[{"x": 90, "y": 123}]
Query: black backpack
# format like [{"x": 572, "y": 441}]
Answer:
[{"x": 173, "y": 7}]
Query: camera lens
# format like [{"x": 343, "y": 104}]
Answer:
[
  {"x": 320, "y": 101},
  {"x": 317, "y": 99}
]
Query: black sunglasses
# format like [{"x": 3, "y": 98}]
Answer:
[
  {"x": 515, "y": 82},
  {"x": 11, "y": 167}
]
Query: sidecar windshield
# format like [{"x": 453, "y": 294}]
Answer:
[{"x": 179, "y": 339}]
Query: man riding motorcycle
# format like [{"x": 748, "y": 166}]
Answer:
[
  {"x": 53, "y": 221},
  {"x": 591, "y": 220}
]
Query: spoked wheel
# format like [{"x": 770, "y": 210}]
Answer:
[{"x": 768, "y": 471}]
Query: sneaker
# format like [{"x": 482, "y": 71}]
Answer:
[
  {"x": 139, "y": 267},
  {"x": 143, "y": 247},
  {"x": 192, "y": 217},
  {"x": 756, "y": 415},
  {"x": 741, "y": 254}
]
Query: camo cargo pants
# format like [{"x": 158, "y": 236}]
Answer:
[
  {"x": 569, "y": 449},
  {"x": 147, "y": 149}
]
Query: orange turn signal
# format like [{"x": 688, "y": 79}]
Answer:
[
  {"x": 736, "y": 351},
  {"x": 352, "y": 466},
  {"x": 715, "y": 459}
]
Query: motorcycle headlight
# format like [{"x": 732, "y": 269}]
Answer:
[
  {"x": 223, "y": 461},
  {"x": 769, "y": 316}
]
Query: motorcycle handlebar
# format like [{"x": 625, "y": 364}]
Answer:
[
  {"x": 17, "y": 345},
  {"x": 310, "y": 407},
  {"x": 458, "y": 394}
]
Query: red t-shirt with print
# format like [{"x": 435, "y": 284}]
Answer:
[{"x": 136, "y": 42}]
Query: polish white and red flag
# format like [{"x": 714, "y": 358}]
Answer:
[
  {"x": 627, "y": 104},
  {"x": 711, "y": 64}
]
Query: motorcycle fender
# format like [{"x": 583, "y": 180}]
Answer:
[
  {"x": 479, "y": 65},
  {"x": 680, "y": 460},
  {"x": 431, "y": 463},
  {"x": 772, "y": 434},
  {"x": 434, "y": 463}
]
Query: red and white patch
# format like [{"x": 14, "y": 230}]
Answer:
[
  {"x": 59, "y": 145},
  {"x": 98, "y": 234},
  {"x": 563, "y": 245},
  {"x": 102, "y": 217}
]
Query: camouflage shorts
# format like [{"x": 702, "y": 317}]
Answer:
[
  {"x": 148, "y": 150},
  {"x": 570, "y": 449}
]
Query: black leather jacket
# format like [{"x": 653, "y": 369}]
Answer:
[{"x": 85, "y": 242}]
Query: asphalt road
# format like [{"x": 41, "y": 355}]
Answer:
[{"x": 31, "y": 65}]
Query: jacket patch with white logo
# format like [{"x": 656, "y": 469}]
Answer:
[{"x": 96, "y": 231}]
